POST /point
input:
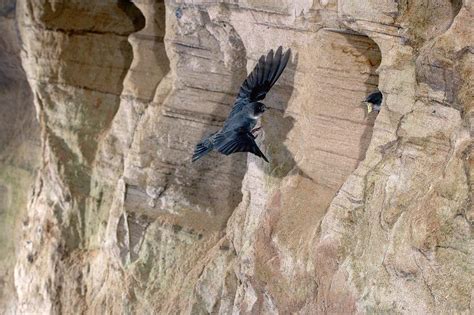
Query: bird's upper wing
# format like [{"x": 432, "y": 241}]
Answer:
[
  {"x": 238, "y": 140},
  {"x": 261, "y": 79}
]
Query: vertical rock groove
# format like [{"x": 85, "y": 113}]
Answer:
[
  {"x": 75, "y": 67},
  {"x": 19, "y": 150}
]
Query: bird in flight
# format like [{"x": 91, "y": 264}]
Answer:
[
  {"x": 374, "y": 101},
  {"x": 237, "y": 134}
]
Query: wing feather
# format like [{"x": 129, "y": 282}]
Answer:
[
  {"x": 281, "y": 67},
  {"x": 264, "y": 75},
  {"x": 238, "y": 141}
]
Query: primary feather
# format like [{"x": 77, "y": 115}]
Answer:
[{"x": 261, "y": 79}]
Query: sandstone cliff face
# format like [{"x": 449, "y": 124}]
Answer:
[
  {"x": 19, "y": 149},
  {"x": 354, "y": 213}
]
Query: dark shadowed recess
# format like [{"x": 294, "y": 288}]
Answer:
[
  {"x": 16, "y": 103},
  {"x": 7, "y": 7},
  {"x": 138, "y": 21},
  {"x": 133, "y": 13}
]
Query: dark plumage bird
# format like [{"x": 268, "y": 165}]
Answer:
[
  {"x": 236, "y": 134},
  {"x": 374, "y": 101}
]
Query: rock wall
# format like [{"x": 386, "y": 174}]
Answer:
[
  {"x": 19, "y": 150},
  {"x": 354, "y": 213}
]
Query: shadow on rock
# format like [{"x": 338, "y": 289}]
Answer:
[
  {"x": 277, "y": 124},
  {"x": 216, "y": 179}
]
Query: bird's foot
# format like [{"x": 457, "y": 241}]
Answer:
[{"x": 254, "y": 130}]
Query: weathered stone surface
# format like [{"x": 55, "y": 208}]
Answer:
[
  {"x": 353, "y": 214},
  {"x": 19, "y": 150}
]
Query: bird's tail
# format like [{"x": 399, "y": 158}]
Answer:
[{"x": 203, "y": 148}]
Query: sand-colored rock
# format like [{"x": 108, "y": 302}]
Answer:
[
  {"x": 19, "y": 151},
  {"x": 354, "y": 213}
]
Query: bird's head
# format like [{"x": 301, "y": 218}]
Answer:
[{"x": 257, "y": 109}]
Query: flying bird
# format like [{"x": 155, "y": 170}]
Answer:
[
  {"x": 374, "y": 101},
  {"x": 237, "y": 134}
]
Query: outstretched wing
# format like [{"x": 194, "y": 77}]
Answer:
[
  {"x": 261, "y": 79},
  {"x": 238, "y": 141}
]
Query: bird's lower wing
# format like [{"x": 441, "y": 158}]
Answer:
[{"x": 236, "y": 141}]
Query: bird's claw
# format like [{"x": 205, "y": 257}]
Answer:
[
  {"x": 256, "y": 129},
  {"x": 254, "y": 132}
]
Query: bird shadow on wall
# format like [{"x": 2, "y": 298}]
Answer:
[
  {"x": 133, "y": 13},
  {"x": 277, "y": 124}
]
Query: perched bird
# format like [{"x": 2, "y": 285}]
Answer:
[
  {"x": 237, "y": 133},
  {"x": 374, "y": 101}
]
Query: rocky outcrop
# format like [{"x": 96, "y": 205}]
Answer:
[
  {"x": 19, "y": 150},
  {"x": 354, "y": 213},
  {"x": 76, "y": 56}
]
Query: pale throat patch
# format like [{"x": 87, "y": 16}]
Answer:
[{"x": 255, "y": 117}]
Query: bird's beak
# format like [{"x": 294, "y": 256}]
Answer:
[{"x": 369, "y": 108}]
